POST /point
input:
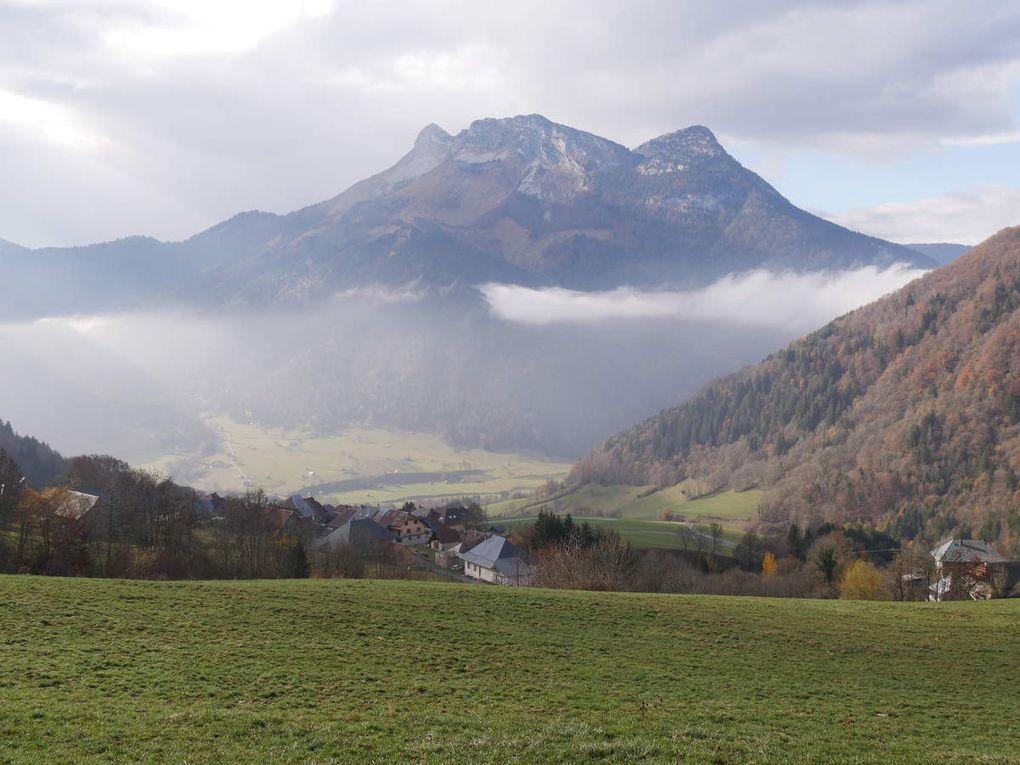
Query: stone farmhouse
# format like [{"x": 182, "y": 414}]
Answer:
[{"x": 971, "y": 568}]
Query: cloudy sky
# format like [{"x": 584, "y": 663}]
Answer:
[{"x": 118, "y": 117}]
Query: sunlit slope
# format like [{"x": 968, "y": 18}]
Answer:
[{"x": 357, "y": 671}]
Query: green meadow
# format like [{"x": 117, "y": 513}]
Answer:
[
  {"x": 282, "y": 462},
  {"x": 731, "y": 509},
  {"x": 643, "y": 534},
  {"x": 383, "y": 671}
]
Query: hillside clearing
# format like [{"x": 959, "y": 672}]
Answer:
[
  {"x": 732, "y": 509},
  {"x": 361, "y": 671}
]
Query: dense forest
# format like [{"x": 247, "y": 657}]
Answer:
[
  {"x": 904, "y": 413},
  {"x": 39, "y": 463}
]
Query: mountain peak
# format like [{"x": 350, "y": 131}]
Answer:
[
  {"x": 431, "y": 136},
  {"x": 539, "y": 141},
  {"x": 518, "y": 123},
  {"x": 693, "y": 143}
]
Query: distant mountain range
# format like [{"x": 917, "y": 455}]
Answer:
[
  {"x": 905, "y": 413},
  {"x": 519, "y": 200},
  {"x": 942, "y": 252}
]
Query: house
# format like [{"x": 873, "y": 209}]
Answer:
[
  {"x": 472, "y": 538},
  {"x": 339, "y": 516},
  {"x": 443, "y": 537},
  {"x": 408, "y": 529},
  {"x": 445, "y": 541},
  {"x": 285, "y": 520},
  {"x": 308, "y": 508},
  {"x": 453, "y": 516},
  {"x": 970, "y": 568},
  {"x": 360, "y": 530},
  {"x": 77, "y": 506},
  {"x": 320, "y": 511},
  {"x": 497, "y": 560}
]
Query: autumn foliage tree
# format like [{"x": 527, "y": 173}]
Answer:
[{"x": 862, "y": 581}]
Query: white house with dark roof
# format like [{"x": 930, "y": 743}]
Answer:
[
  {"x": 967, "y": 568},
  {"x": 497, "y": 560}
]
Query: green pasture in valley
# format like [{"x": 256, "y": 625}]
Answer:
[
  {"x": 643, "y": 534},
  {"x": 731, "y": 509},
  {"x": 387, "y": 466}
]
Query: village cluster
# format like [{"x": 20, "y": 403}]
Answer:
[
  {"x": 444, "y": 538},
  {"x": 456, "y": 542}
]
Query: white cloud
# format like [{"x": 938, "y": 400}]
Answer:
[
  {"x": 207, "y": 107},
  {"x": 54, "y": 123},
  {"x": 990, "y": 139},
  {"x": 180, "y": 28},
  {"x": 966, "y": 217},
  {"x": 470, "y": 68},
  {"x": 791, "y": 302}
]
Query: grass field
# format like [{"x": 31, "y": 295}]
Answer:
[
  {"x": 643, "y": 534},
  {"x": 363, "y": 672},
  {"x": 731, "y": 509},
  {"x": 282, "y": 462}
]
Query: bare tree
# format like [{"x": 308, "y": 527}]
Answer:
[{"x": 716, "y": 532}]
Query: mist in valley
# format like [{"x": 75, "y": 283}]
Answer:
[{"x": 504, "y": 368}]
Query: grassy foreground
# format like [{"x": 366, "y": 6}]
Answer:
[{"x": 359, "y": 671}]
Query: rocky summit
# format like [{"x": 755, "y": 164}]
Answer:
[{"x": 521, "y": 200}]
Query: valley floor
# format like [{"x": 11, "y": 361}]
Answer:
[
  {"x": 356, "y": 466},
  {"x": 387, "y": 671}
]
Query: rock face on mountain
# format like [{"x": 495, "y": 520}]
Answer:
[
  {"x": 905, "y": 413},
  {"x": 528, "y": 201},
  {"x": 520, "y": 200}
]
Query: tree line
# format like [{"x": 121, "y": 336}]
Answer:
[{"x": 851, "y": 561}]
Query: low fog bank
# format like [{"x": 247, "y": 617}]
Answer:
[
  {"x": 549, "y": 372},
  {"x": 788, "y": 302}
]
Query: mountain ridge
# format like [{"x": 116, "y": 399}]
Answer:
[{"x": 521, "y": 200}]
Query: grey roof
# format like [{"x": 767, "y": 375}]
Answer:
[
  {"x": 966, "y": 551},
  {"x": 499, "y": 554},
  {"x": 363, "y": 531},
  {"x": 76, "y": 505},
  {"x": 357, "y": 531},
  {"x": 367, "y": 513},
  {"x": 302, "y": 507}
]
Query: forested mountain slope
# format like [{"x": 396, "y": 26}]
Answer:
[
  {"x": 36, "y": 460},
  {"x": 905, "y": 413}
]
